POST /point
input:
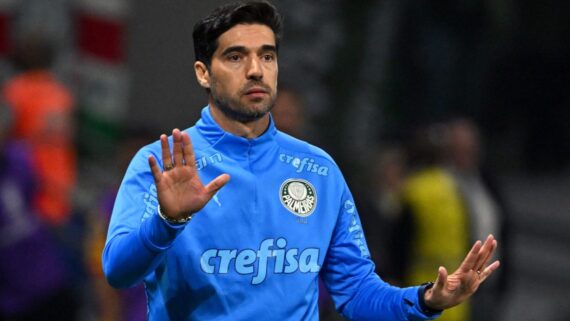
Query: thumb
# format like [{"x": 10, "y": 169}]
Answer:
[
  {"x": 441, "y": 278},
  {"x": 216, "y": 184}
]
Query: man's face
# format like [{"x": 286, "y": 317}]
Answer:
[{"x": 243, "y": 72}]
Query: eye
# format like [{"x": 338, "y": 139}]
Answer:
[
  {"x": 268, "y": 57},
  {"x": 234, "y": 57}
]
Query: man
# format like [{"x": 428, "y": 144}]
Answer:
[
  {"x": 253, "y": 249},
  {"x": 43, "y": 117},
  {"x": 432, "y": 228},
  {"x": 485, "y": 206},
  {"x": 34, "y": 280}
]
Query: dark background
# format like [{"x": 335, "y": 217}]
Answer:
[{"x": 369, "y": 73}]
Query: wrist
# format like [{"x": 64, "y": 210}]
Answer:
[
  {"x": 423, "y": 293},
  {"x": 172, "y": 220}
]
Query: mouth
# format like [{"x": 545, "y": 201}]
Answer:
[{"x": 256, "y": 92}]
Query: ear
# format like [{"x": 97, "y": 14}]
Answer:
[{"x": 202, "y": 74}]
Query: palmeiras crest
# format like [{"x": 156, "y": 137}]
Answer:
[{"x": 298, "y": 196}]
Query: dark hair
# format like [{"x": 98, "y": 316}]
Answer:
[
  {"x": 427, "y": 144},
  {"x": 207, "y": 30}
]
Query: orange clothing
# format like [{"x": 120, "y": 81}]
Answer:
[{"x": 42, "y": 109}]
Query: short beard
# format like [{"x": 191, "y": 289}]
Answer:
[{"x": 238, "y": 113}]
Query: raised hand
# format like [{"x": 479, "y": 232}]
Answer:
[
  {"x": 449, "y": 291},
  {"x": 180, "y": 191}
]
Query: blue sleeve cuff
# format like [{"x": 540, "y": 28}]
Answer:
[
  {"x": 157, "y": 234},
  {"x": 422, "y": 303},
  {"x": 416, "y": 308}
]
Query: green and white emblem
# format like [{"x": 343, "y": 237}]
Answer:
[{"x": 298, "y": 196}]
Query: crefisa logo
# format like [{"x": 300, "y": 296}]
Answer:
[
  {"x": 304, "y": 165},
  {"x": 298, "y": 196}
]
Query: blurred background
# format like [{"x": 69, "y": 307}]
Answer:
[{"x": 449, "y": 119}]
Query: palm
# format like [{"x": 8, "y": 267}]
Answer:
[
  {"x": 451, "y": 290},
  {"x": 180, "y": 191}
]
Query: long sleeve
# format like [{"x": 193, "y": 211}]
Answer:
[
  {"x": 137, "y": 237},
  {"x": 359, "y": 293}
]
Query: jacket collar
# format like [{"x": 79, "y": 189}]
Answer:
[{"x": 229, "y": 143}]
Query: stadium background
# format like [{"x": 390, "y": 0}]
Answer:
[{"x": 369, "y": 72}]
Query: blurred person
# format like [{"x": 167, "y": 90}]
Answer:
[
  {"x": 434, "y": 226},
  {"x": 288, "y": 114},
  {"x": 34, "y": 275},
  {"x": 484, "y": 203},
  {"x": 389, "y": 175},
  {"x": 253, "y": 247},
  {"x": 42, "y": 109},
  {"x": 381, "y": 208},
  {"x": 109, "y": 303}
]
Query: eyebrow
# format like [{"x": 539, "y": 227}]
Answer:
[
  {"x": 269, "y": 48},
  {"x": 242, "y": 49}
]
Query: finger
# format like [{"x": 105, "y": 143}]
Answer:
[
  {"x": 441, "y": 278},
  {"x": 166, "y": 158},
  {"x": 156, "y": 173},
  {"x": 214, "y": 186},
  {"x": 486, "y": 252},
  {"x": 471, "y": 258},
  {"x": 188, "y": 151},
  {"x": 489, "y": 270},
  {"x": 177, "y": 147}
]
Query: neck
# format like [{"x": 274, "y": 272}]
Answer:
[{"x": 247, "y": 130}]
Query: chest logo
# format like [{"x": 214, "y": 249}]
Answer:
[{"x": 298, "y": 196}]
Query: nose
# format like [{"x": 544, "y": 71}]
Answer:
[{"x": 254, "y": 69}]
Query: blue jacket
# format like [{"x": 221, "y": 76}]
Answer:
[{"x": 255, "y": 251}]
